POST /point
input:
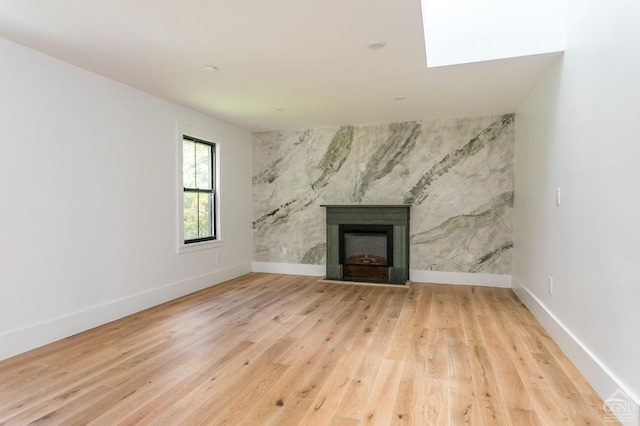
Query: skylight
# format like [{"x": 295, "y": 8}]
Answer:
[{"x": 463, "y": 31}]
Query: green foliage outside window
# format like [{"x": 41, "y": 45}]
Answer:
[{"x": 198, "y": 159}]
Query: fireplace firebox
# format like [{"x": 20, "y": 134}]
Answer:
[
  {"x": 366, "y": 251},
  {"x": 368, "y": 243}
]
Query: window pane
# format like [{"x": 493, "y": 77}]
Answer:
[
  {"x": 198, "y": 174},
  {"x": 190, "y": 215},
  {"x": 198, "y": 215},
  {"x": 205, "y": 205},
  {"x": 188, "y": 164},
  {"x": 203, "y": 166}
]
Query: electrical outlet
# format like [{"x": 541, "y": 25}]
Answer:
[
  {"x": 557, "y": 196},
  {"x": 284, "y": 250},
  {"x": 468, "y": 258},
  {"x": 363, "y": 167},
  {"x": 550, "y": 285}
]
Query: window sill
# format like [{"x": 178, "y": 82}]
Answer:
[{"x": 205, "y": 245}]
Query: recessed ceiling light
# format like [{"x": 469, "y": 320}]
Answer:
[
  {"x": 399, "y": 98},
  {"x": 377, "y": 45},
  {"x": 209, "y": 68}
]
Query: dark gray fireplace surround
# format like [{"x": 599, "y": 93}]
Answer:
[{"x": 343, "y": 219}]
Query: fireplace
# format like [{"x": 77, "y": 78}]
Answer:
[
  {"x": 366, "y": 251},
  {"x": 368, "y": 243}
]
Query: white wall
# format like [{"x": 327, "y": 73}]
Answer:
[
  {"x": 88, "y": 201},
  {"x": 578, "y": 131}
]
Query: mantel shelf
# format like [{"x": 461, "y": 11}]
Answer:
[{"x": 359, "y": 206}]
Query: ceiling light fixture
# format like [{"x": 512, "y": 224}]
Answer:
[
  {"x": 209, "y": 68},
  {"x": 377, "y": 45}
]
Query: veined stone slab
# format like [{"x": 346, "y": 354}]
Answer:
[{"x": 457, "y": 174}]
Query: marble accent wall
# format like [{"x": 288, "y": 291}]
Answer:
[{"x": 457, "y": 174}]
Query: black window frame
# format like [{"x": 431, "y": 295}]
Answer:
[{"x": 211, "y": 192}]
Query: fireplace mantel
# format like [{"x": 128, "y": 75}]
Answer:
[
  {"x": 396, "y": 215},
  {"x": 368, "y": 206}
]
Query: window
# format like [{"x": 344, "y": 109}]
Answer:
[
  {"x": 197, "y": 189},
  {"x": 199, "y": 195}
]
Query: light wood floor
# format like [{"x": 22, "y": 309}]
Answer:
[{"x": 271, "y": 349}]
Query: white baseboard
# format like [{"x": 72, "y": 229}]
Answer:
[
  {"x": 489, "y": 280},
  {"x": 596, "y": 373},
  {"x": 290, "y": 269},
  {"x": 30, "y": 337},
  {"x": 460, "y": 278}
]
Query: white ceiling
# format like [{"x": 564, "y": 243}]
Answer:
[{"x": 309, "y": 57}]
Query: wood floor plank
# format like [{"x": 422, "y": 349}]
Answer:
[
  {"x": 239, "y": 369},
  {"x": 301, "y": 377},
  {"x": 164, "y": 401},
  {"x": 423, "y": 319},
  {"x": 329, "y": 397},
  {"x": 67, "y": 386},
  {"x": 402, "y": 335},
  {"x": 472, "y": 331},
  {"x": 359, "y": 389},
  {"x": 287, "y": 350},
  {"x": 437, "y": 411},
  {"x": 464, "y": 407},
  {"x": 236, "y": 404},
  {"x": 563, "y": 390},
  {"x": 385, "y": 387},
  {"x": 506, "y": 374},
  {"x": 524, "y": 417},
  {"x": 517, "y": 349},
  {"x": 488, "y": 394},
  {"x": 409, "y": 405},
  {"x": 547, "y": 408}
]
